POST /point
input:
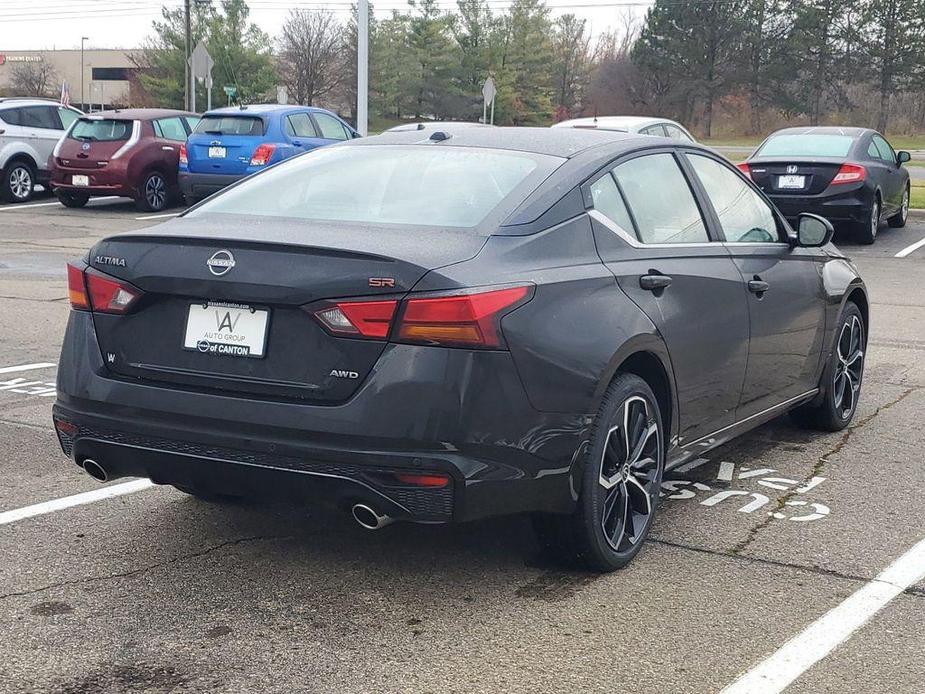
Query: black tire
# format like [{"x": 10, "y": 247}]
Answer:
[
  {"x": 595, "y": 536},
  {"x": 154, "y": 194},
  {"x": 71, "y": 199},
  {"x": 841, "y": 379},
  {"x": 18, "y": 183},
  {"x": 206, "y": 494},
  {"x": 865, "y": 232},
  {"x": 898, "y": 220}
]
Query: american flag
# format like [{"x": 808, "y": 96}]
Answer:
[{"x": 65, "y": 94}]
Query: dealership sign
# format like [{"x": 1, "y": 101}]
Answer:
[{"x": 20, "y": 59}]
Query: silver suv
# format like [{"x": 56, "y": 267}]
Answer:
[{"x": 29, "y": 131}]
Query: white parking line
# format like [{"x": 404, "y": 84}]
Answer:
[
  {"x": 910, "y": 249},
  {"x": 75, "y": 500},
  {"x": 13, "y": 208},
  {"x": 833, "y": 628},
  {"x": 25, "y": 367},
  {"x": 159, "y": 216}
]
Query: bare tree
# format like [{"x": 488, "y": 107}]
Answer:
[
  {"x": 33, "y": 79},
  {"x": 309, "y": 55}
]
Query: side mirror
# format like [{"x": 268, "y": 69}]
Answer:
[
  {"x": 902, "y": 157},
  {"x": 814, "y": 231}
]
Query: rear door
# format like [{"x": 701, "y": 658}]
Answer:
[
  {"x": 891, "y": 176},
  {"x": 652, "y": 235},
  {"x": 43, "y": 128},
  {"x": 783, "y": 288},
  {"x": 300, "y": 129}
]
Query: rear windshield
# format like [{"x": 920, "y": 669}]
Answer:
[
  {"x": 806, "y": 146},
  {"x": 230, "y": 125},
  {"x": 102, "y": 130},
  {"x": 406, "y": 185}
]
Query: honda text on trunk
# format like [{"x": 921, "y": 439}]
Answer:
[{"x": 437, "y": 327}]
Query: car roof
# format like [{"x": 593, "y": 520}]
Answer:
[
  {"x": 435, "y": 125},
  {"x": 562, "y": 142},
  {"x": 261, "y": 109},
  {"x": 848, "y": 131},
  {"x": 137, "y": 114},
  {"x": 11, "y": 101},
  {"x": 618, "y": 122}
]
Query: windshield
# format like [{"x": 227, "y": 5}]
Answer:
[
  {"x": 806, "y": 146},
  {"x": 102, "y": 130},
  {"x": 230, "y": 125},
  {"x": 407, "y": 185}
]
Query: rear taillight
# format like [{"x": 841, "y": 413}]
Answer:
[
  {"x": 850, "y": 173},
  {"x": 76, "y": 288},
  {"x": 370, "y": 319},
  {"x": 183, "y": 158},
  {"x": 262, "y": 154},
  {"x": 745, "y": 169},
  {"x": 470, "y": 319},
  {"x": 89, "y": 289}
]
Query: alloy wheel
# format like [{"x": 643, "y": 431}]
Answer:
[
  {"x": 20, "y": 182},
  {"x": 629, "y": 474},
  {"x": 849, "y": 368},
  {"x": 155, "y": 192},
  {"x": 904, "y": 208},
  {"x": 874, "y": 220}
]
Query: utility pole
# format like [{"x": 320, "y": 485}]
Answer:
[
  {"x": 83, "y": 39},
  {"x": 186, "y": 70},
  {"x": 362, "y": 66}
]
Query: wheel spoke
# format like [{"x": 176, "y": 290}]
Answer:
[
  {"x": 639, "y": 497},
  {"x": 613, "y": 519}
]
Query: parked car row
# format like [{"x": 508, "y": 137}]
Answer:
[{"x": 154, "y": 156}]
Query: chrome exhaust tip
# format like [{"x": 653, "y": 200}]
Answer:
[
  {"x": 368, "y": 518},
  {"x": 95, "y": 470}
]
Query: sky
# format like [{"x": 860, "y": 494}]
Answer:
[{"x": 50, "y": 24}]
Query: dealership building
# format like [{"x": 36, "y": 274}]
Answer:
[{"x": 106, "y": 74}]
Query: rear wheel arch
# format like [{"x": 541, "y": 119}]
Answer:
[
  {"x": 650, "y": 369},
  {"x": 23, "y": 158},
  {"x": 859, "y": 299}
]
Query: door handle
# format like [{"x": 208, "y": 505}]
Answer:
[
  {"x": 654, "y": 282},
  {"x": 167, "y": 148},
  {"x": 297, "y": 143},
  {"x": 758, "y": 285}
]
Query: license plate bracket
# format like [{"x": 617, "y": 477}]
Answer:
[
  {"x": 217, "y": 152},
  {"x": 78, "y": 180},
  {"x": 791, "y": 182},
  {"x": 226, "y": 329}
]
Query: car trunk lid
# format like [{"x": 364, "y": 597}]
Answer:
[
  {"x": 224, "y": 144},
  {"x": 281, "y": 271},
  {"x": 92, "y": 144},
  {"x": 794, "y": 176}
]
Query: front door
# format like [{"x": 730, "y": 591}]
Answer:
[
  {"x": 651, "y": 234},
  {"x": 784, "y": 290}
]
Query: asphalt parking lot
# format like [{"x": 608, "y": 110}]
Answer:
[{"x": 153, "y": 591}]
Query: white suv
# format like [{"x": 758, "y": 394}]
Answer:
[{"x": 29, "y": 131}]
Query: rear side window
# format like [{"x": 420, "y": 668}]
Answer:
[
  {"x": 300, "y": 125},
  {"x": 11, "y": 116},
  {"x": 41, "y": 117},
  {"x": 675, "y": 133},
  {"x": 101, "y": 130},
  {"x": 330, "y": 127},
  {"x": 656, "y": 130},
  {"x": 230, "y": 125},
  {"x": 609, "y": 202},
  {"x": 170, "y": 129},
  {"x": 661, "y": 200},
  {"x": 744, "y": 216},
  {"x": 806, "y": 146},
  {"x": 67, "y": 116},
  {"x": 191, "y": 122}
]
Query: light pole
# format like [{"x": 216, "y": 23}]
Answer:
[
  {"x": 362, "y": 66},
  {"x": 82, "y": 40}
]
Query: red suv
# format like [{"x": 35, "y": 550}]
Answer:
[{"x": 131, "y": 152}]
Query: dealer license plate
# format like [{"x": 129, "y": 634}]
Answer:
[
  {"x": 80, "y": 180},
  {"x": 233, "y": 330},
  {"x": 216, "y": 152},
  {"x": 791, "y": 181}
]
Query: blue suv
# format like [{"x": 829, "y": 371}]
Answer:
[{"x": 231, "y": 143}]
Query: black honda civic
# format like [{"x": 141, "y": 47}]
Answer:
[
  {"x": 448, "y": 326},
  {"x": 850, "y": 176}
]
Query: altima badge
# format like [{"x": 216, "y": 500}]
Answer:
[{"x": 220, "y": 262}]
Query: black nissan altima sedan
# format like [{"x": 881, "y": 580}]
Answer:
[
  {"x": 439, "y": 327},
  {"x": 850, "y": 176}
]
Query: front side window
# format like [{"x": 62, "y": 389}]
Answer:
[
  {"x": 101, "y": 130},
  {"x": 743, "y": 215},
  {"x": 330, "y": 127},
  {"x": 886, "y": 152},
  {"x": 388, "y": 185},
  {"x": 170, "y": 129},
  {"x": 661, "y": 200}
]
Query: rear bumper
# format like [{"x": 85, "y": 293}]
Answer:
[
  {"x": 839, "y": 206},
  {"x": 420, "y": 411},
  {"x": 202, "y": 185}
]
